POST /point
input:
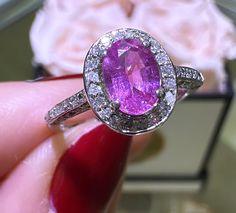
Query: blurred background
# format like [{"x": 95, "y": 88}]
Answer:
[{"x": 181, "y": 169}]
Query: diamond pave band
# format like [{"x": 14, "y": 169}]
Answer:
[{"x": 130, "y": 84}]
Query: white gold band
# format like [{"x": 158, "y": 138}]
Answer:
[{"x": 188, "y": 80}]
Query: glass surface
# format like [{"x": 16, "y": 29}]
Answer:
[
  {"x": 3, "y": 2},
  {"x": 228, "y": 7},
  {"x": 13, "y": 10},
  {"x": 15, "y": 52}
]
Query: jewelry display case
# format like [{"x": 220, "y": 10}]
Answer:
[{"x": 184, "y": 146}]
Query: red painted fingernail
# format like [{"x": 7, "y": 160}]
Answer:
[
  {"x": 89, "y": 171},
  {"x": 54, "y": 78}
]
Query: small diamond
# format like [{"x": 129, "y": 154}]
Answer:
[
  {"x": 80, "y": 97},
  {"x": 164, "y": 110},
  {"x": 95, "y": 50},
  {"x": 155, "y": 48},
  {"x": 92, "y": 77},
  {"x": 138, "y": 124},
  {"x": 162, "y": 59},
  {"x": 155, "y": 44},
  {"x": 169, "y": 82},
  {"x": 52, "y": 113},
  {"x": 91, "y": 63},
  {"x": 118, "y": 35},
  {"x": 145, "y": 40},
  {"x": 65, "y": 105},
  {"x": 194, "y": 75},
  {"x": 105, "y": 113},
  {"x": 167, "y": 71},
  {"x": 100, "y": 102},
  {"x": 170, "y": 98},
  {"x": 154, "y": 119},
  {"x": 129, "y": 34},
  {"x": 188, "y": 74},
  {"x": 73, "y": 101},
  {"x": 106, "y": 41},
  {"x": 58, "y": 109},
  {"x": 94, "y": 89}
]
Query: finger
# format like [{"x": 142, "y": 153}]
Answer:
[
  {"x": 27, "y": 186},
  {"x": 84, "y": 179},
  {"x": 23, "y": 107}
]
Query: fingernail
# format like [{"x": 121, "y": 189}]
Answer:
[
  {"x": 54, "y": 78},
  {"x": 89, "y": 171}
]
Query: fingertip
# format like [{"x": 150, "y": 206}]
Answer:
[{"x": 23, "y": 108}]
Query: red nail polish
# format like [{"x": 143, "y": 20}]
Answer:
[
  {"x": 89, "y": 171},
  {"x": 54, "y": 78},
  {"x": 63, "y": 77}
]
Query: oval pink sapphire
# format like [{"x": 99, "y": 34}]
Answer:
[{"x": 131, "y": 76}]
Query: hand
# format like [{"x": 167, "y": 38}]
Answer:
[{"x": 40, "y": 170}]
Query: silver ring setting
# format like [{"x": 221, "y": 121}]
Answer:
[{"x": 175, "y": 83}]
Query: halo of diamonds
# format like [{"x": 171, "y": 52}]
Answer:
[{"x": 108, "y": 111}]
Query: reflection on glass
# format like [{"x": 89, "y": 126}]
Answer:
[
  {"x": 13, "y": 10},
  {"x": 2, "y": 2}
]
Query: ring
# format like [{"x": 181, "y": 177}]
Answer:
[{"x": 130, "y": 84}]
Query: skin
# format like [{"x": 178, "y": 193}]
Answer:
[{"x": 29, "y": 150}]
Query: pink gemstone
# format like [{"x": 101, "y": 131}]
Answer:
[{"x": 131, "y": 76}]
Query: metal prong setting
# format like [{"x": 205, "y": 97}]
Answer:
[
  {"x": 160, "y": 92},
  {"x": 115, "y": 106}
]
